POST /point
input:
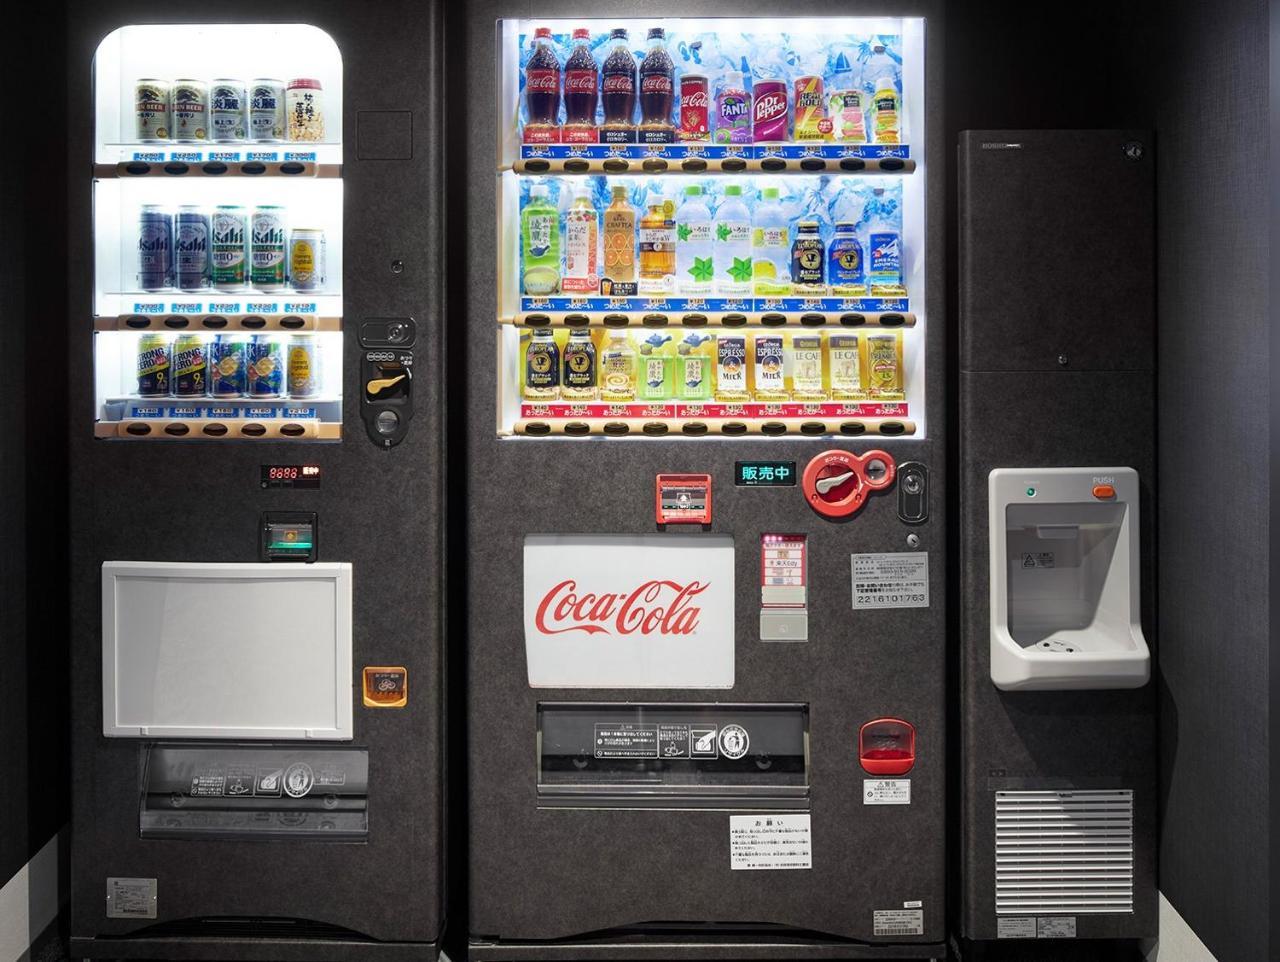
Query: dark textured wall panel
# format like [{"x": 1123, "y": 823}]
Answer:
[{"x": 1214, "y": 373}]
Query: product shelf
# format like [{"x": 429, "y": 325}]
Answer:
[
  {"x": 215, "y": 168},
  {"x": 731, "y": 319},
  {"x": 217, "y": 323},
  {"x": 264, "y": 429},
  {"x": 708, "y": 427},
  {"x": 686, "y": 159}
]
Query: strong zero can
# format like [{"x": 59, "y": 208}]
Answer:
[
  {"x": 155, "y": 364},
  {"x": 228, "y": 367},
  {"x": 306, "y": 259},
  {"x": 189, "y": 108},
  {"x": 266, "y": 110},
  {"x": 191, "y": 249},
  {"x": 227, "y": 108},
  {"x": 227, "y": 247},
  {"x": 190, "y": 366},
  {"x": 155, "y": 248},
  {"x": 267, "y": 269},
  {"x": 265, "y": 366},
  {"x": 302, "y": 366},
  {"x": 151, "y": 110}
]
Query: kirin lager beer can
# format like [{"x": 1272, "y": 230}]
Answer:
[
  {"x": 190, "y": 366},
  {"x": 155, "y": 248},
  {"x": 189, "y": 109},
  {"x": 228, "y": 367},
  {"x": 302, "y": 366},
  {"x": 266, "y": 110},
  {"x": 191, "y": 249},
  {"x": 306, "y": 259},
  {"x": 267, "y": 269},
  {"x": 227, "y": 247},
  {"x": 265, "y": 366},
  {"x": 151, "y": 110},
  {"x": 155, "y": 364},
  {"x": 227, "y": 106}
]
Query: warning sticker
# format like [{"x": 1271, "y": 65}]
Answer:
[
  {"x": 240, "y": 779},
  {"x": 770, "y": 842},
  {"x": 898, "y": 922},
  {"x": 1016, "y": 927},
  {"x": 1039, "y": 559},
  {"x": 705, "y": 744},
  {"x": 673, "y": 741},
  {"x": 886, "y": 791},
  {"x": 208, "y": 783},
  {"x": 898, "y": 579},
  {"x": 1056, "y": 927},
  {"x": 131, "y": 898},
  {"x": 626, "y": 741}
]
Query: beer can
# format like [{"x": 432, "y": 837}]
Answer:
[
  {"x": 227, "y": 108},
  {"x": 694, "y": 108},
  {"x": 155, "y": 364},
  {"x": 155, "y": 248},
  {"x": 190, "y": 366},
  {"x": 267, "y": 248},
  {"x": 191, "y": 249},
  {"x": 189, "y": 108},
  {"x": 151, "y": 110},
  {"x": 306, "y": 259},
  {"x": 265, "y": 366},
  {"x": 227, "y": 237},
  {"x": 266, "y": 110},
  {"x": 303, "y": 380},
  {"x": 228, "y": 369}
]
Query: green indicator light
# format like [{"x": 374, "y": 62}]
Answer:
[
  {"x": 291, "y": 544},
  {"x": 1031, "y": 492}
]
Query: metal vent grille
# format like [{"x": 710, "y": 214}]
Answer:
[{"x": 1064, "y": 853}]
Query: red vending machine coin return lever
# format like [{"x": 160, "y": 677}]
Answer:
[{"x": 887, "y": 746}]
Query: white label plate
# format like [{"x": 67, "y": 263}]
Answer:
[
  {"x": 898, "y": 922},
  {"x": 1056, "y": 927},
  {"x": 1016, "y": 927},
  {"x": 886, "y": 791},
  {"x": 770, "y": 842},
  {"x": 896, "y": 579},
  {"x": 131, "y": 898}
]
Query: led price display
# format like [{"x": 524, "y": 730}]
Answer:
[{"x": 290, "y": 476}]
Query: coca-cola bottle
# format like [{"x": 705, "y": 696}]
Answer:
[
  {"x": 542, "y": 91},
  {"x": 619, "y": 91},
  {"x": 657, "y": 91},
  {"x": 581, "y": 81}
]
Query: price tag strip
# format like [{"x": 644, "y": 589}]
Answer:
[{"x": 784, "y": 592}]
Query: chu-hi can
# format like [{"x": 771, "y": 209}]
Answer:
[
  {"x": 265, "y": 366},
  {"x": 190, "y": 366},
  {"x": 151, "y": 110},
  {"x": 227, "y": 237},
  {"x": 267, "y": 270},
  {"x": 155, "y": 365},
  {"x": 191, "y": 249},
  {"x": 303, "y": 381},
  {"x": 189, "y": 110},
  {"x": 306, "y": 259},
  {"x": 228, "y": 374},
  {"x": 266, "y": 110},
  {"x": 227, "y": 110},
  {"x": 155, "y": 248}
]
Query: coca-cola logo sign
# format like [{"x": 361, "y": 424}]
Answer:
[
  {"x": 619, "y": 83},
  {"x": 542, "y": 81},
  {"x": 580, "y": 81},
  {"x": 656, "y": 83},
  {"x": 629, "y": 611},
  {"x": 695, "y": 101},
  {"x": 657, "y": 606}
]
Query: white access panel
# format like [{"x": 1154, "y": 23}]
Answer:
[{"x": 226, "y": 650}]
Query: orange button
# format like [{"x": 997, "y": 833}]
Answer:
[{"x": 1104, "y": 491}]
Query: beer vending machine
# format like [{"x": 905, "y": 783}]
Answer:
[
  {"x": 703, "y": 441},
  {"x": 257, "y": 700}
]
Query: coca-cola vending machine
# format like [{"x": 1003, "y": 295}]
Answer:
[{"x": 703, "y": 444}]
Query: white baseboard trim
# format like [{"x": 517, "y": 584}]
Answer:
[
  {"x": 29, "y": 902},
  {"x": 1177, "y": 942}
]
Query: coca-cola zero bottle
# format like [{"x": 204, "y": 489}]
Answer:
[
  {"x": 657, "y": 91},
  {"x": 581, "y": 81},
  {"x": 542, "y": 91},
  {"x": 619, "y": 91}
]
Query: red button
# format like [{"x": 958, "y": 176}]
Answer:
[{"x": 1104, "y": 491}]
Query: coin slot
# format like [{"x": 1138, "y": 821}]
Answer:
[
  {"x": 654, "y": 165},
  {"x": 853, "y": 427},
  {"x": 176, "y": 168},
  {"x": 577, "y": 429},
  {"x": 214, "y": 322},
  {"x": 813, "y": 163},
  {"x": 139, "y": 430},
  {"x": 892, "y": 164},
  {"x": 813, "y": 320},
  {"x": 293, "y": 430},
  {"x": 292, "y": 167},
  {"x": 654, "y": 320},
  {"x": 615, "y": 166},
  {"x": 137, "y": 322},
  {"x": 537, "y": 166},
  {"x": 892, "y": 320},
  {"x": 734, "y": 320},
  {"x": 253, "y": 322},
  {"x": 694, "y": 165},
  {"x": 694, "y": 428},
  {"x": 537, "y": 429},
  {"x": 214, "y": 168},
  {"x": 654, "y": 428},
  {"x": 215, "y": 430},
  {"x": 773, "y": 320},
  {"x": 577, "y": 320},
  {"x": 813, "y": 427},
  {"x": 853, "y": 320},
  {"x": 733, "y": 428},
  {"x": 616, "y": 428},
  {"x": 137, "y": 169},
  {"x": 773, "y": 428},
  {"x": 253, "y": 430},
  {"x": 576, "y": 166},
  {"x": 292, "y": 323},
  {"x": 253, "y": 168},
  {"x": 694, "y": 320},
  {"x": 176, "y": 430},
  {"x": 733, "y": 165},
  {"x": 537, "y": 320},
  {"x": 852, "y": 164},
  {"x": 176, "y": 322},
  {"x": 773, "y": 164},
  {"x": 616, "y": 320},
  {"x": 893, "y": 428}
]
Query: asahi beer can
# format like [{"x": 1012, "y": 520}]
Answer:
[
  {"x": 227, "y": 110},
  {"x": 151, "y": 110},
  {"x": 191, "y": 249},
  {"x": 303, "y": 381},
  {"x": 227, "y": 237},
  {"x": 306, "y": 259},
  {"x": 228, "y": 368},
  {"x": 189, "y": 110},
  {"x": 155, "y": 248},
  {"x": 266, "y": 110},
  {"x": 265, "y": 366},
  {"x": 190, "y": 366},
  {"x": 267, "y": 268},
  {"x": 155, "y": 364}
]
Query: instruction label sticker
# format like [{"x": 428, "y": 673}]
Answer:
[
  {"x": 1038, "y": 559},
  {"x": 1056, "y": 927},
  {"x": 886, "y": 791},
  {"x": 131, "y": 898},
  {"x": 626, "y": 741},
  {"x": 1016, "y": 927},
  {"x": 898, "y": 579},
  {"x": 898, "y": 922},
  {"x": 770, "y": 842}
]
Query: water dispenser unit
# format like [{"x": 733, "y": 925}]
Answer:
[{"x": 1065, "y": 610}]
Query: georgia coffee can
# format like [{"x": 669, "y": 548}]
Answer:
[{"x": 694, "y": 108}]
